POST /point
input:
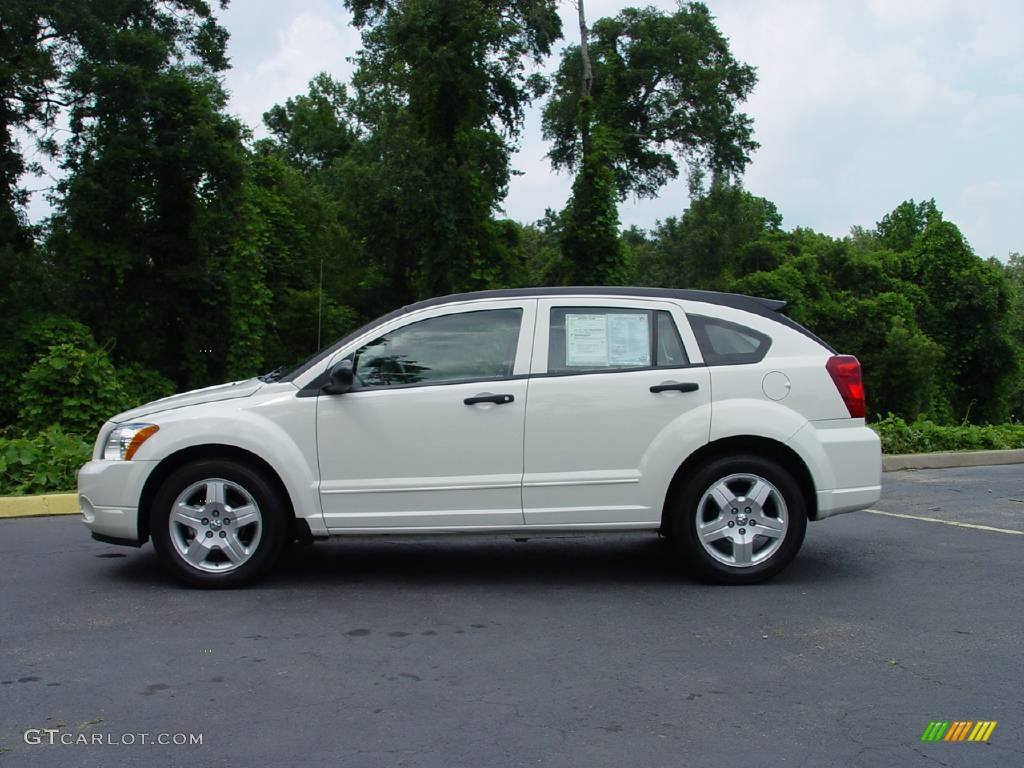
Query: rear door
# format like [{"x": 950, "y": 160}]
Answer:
[{"x": 618, "y": 398}]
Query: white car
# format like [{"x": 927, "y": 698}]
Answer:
[{"x": 711, "y": 418}]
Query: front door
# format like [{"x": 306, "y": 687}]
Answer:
[{"x": 432, "y": 434}]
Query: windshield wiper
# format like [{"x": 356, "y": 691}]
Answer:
[{"x": 275, "y": 374}]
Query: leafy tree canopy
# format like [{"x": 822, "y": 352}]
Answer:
[
  {"x": 664, "y": 85},
  {"x": 441, "y": 88}
]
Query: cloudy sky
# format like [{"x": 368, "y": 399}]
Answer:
[{"x": 860, "y": 104}]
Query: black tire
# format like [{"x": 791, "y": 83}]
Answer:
[
  {"x": 273, "y": 532},
  {"x": 684, "y": 511}
]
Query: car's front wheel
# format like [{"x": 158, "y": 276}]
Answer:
[
  {"x": 739, "y": 520},
  {"x": 218, "y": 523}
]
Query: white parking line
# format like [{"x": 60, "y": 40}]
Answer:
[{"x": 946, "y": 522}]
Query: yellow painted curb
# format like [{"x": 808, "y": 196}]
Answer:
[{"x": 36, "y": 506}]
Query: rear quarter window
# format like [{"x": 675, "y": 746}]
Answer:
[{"x": 725, "y": 343}]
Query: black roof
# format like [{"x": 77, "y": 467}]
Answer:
[
  {"x": 735, "y": 300},
  {"x": 768, "y": 308}
]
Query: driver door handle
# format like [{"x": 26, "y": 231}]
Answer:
[
  {"x": 496, "y": 399},
  {"x": 686, "y": 386}
]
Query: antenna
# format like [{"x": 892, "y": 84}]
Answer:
[{"x": 320, "y": 305}]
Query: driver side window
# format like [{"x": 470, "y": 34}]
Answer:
[{"x": 465, "y": 346}]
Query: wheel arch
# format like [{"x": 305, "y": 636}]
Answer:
[
  {"x": 764, "y": 447},
  {"x": 297, "y": 528}
]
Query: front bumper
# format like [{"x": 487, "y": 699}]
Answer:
[{"x": 108, "y": 498}]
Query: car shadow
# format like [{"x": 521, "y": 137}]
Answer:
[{"x": 571, "y": 560}]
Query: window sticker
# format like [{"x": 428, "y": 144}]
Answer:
[
  {"x": 607, "y": 340},
  {"x": 586, "y": 341},
  {"x": 629, "y": 340}
]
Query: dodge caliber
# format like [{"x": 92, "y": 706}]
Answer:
[{"x": 710, "y": 418}]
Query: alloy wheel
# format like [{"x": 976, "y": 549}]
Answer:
[
  {"x": 215, "y": 525},
  {"x": 742, "y": 520}
]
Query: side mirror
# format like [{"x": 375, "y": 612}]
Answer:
[{"x": 342, "y": 376}]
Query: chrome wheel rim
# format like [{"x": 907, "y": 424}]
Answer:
[
  {"x": 215, "y": 525},
  {"x": 742, "y": 520}
]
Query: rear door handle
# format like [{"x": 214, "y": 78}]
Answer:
[
  {"x": 496, "y": 399},
  {"x": 686, "y": 386}
]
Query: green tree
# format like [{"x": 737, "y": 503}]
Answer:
[
  {"x": 30, "y": 47},
  {"x": 310, "y": 261},
  {"x": 1014, "y": 270},
  {"x": 146, "y": 216},
  {"x": 899, "y": 229},
  {"x": 591, "y": 252},
  {"x": 313, "y": 129},
  {"x": 662, "y": 83},
  {"x": 968, "y": 315},
  {"x": 724, "y": 234},
  {"x": 640, "y": 89},
  {"x": 440, "y": 88}
]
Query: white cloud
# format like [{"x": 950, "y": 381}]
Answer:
[{"x": 310, "y": 42}]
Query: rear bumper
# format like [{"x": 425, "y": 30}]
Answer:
[
  {"x": 108, "y": 498},
  {"x": 841, "y": 500},
  {"x": 845, "y": 460}
]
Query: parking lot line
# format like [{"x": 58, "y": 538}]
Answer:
[{"x": 946, "y": 522}]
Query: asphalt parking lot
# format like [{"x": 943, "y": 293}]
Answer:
[{"x": 566, "y": 651}]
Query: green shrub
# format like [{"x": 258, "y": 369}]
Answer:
[
  {"x": 70, "y": 386},
  {"x": 45, "y": 462},
  {"x": 27, "y": 342},
  {"x": 143, "y": 385},
  {"x": 923, "y": 436}
]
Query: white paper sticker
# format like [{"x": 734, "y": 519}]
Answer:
[
  {"x": 607, "y": 340},
  {"x": 629, "y": 342},
  {"x": 586, "y": 341}
]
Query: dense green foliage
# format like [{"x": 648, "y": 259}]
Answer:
[
  {"x": 43, "y": 462},
  {"x": 440, "y": 93},
  {"x": 925, "y": 436},
  {"x": 70, "y": 386},
  {"x": 182, "y": 251}
]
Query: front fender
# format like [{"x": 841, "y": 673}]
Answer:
[{"x": 280, "y": 429}]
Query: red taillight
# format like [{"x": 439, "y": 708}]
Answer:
[{"x": 845, "y": 372}]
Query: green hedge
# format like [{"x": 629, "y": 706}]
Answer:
[
  {"x": 43, "y": 463},
  {"x": 927, "y": 437}
]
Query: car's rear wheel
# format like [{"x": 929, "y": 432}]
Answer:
[
  {"x": 739, "y": 520},
  {"x": 218, "y": 523}
]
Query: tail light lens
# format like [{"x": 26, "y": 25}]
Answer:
[{"x": 845, "y": 373}]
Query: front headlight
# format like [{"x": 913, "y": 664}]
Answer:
[{"x": 124, "y": 440}]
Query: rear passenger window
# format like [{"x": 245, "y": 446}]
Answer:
[
  {"x": 587, "y": 339},
  {"x": 670, "y": 347},
  {"x": 724, "y": 343}
]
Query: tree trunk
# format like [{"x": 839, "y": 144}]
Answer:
[{"x": 587, "y": 82}]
